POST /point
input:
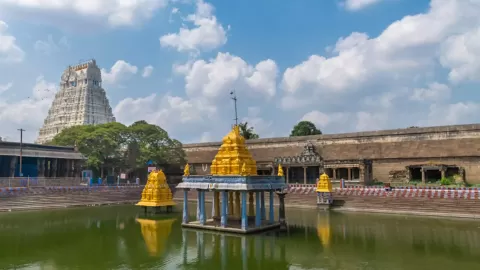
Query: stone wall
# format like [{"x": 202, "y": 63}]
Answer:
[{"x": 389, "y": 150}]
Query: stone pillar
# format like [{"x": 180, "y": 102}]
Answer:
[
  {"x": 271, "y": 213},
  {"x": 361, "y": 174},
  {"x": 244, "y": 211},
  {"x": 13, "y": 165},
  {"x": 443, "y": 170},
  {"x": 69, "y": 168},
  {"x": 223, "y": 219},
  {"x": 304, "y": 175},
  {"x": 237, "y": 205},
  {"x": 262, "y": 204},
  {"x": 185, "y": 206},
  {"x": 288, "y": 175},
  {"x": 251, "y": 210},
  {"x": 54, "y": 168},
  {"x": 216, "y": 202},
  {"x": 423, "y": 175},
  {"x": 258, "y": 210},
  {"x": 39, "y": 167},
  {"x": 349, "y": 173},
  {"x": 230, "y": 203},
  {"x": 203, "y": 216},
  {"x": 334, "y": 170}
]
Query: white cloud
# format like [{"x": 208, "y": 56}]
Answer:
[
  {"x": 49, "y": 46},
  {"x": 261, "y": 126},
  {"x": 28, "y": 113},
  {"x": 160, "y": 110},
  {"x": 226, "y": 72},
  {"x": 461, "y": 54},
  {"x": 451, "y": 114},
  {"x": 113, "y": 12},
  {"x": 118, "y": 72},
  {"x": 354, "y": 5},
  {"x": 9, "y": 50},
  {"x": 322, "y": 120},
  {"x": 208, "y": 33},
  {"x": 434, "y": 92},
  {"x": 373, "y": 80},
  {"x": 147, "y": 71},
  {"x": 5, "y": 87}
]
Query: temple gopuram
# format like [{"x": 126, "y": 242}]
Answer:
[
  {"x": 400, "y": 155},
  {"x": 238, "y": 191}
]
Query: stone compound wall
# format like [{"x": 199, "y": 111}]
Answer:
[
  {"x": 389, "y": 150},
  {"x": 462, "y": 202}
]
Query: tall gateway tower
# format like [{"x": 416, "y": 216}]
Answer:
[{"x": 81, "y": 100}]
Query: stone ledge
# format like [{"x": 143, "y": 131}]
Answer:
[{"x": 353, "y": 135}]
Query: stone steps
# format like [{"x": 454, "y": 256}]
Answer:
[{"x": 43, "y": 201}]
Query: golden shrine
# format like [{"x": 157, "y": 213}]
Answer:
[
  {"x": 233, "y": 156},
  {"x": 324, "y": 191},
  {"x": 155, "y": 234},
  {"x": 324, "y": 184},
  {"x": 238, "y": 191},
  {"x": 157, "y": 193}
]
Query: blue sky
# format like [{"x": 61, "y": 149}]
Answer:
[{"x": 346, "y": 65}]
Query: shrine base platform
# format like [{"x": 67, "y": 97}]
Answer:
[{"x": 233, "y": 227}]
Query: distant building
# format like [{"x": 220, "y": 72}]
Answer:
[
  {"x": 81, "y": 100},
  {"x": 39, "y": 160},
  {"x": 425, "y": 154}
]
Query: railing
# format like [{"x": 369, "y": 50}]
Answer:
[{"x": 49, "y": 182}]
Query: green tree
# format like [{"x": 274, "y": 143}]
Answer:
[
  {"x": 101, "y": 144},
  {"x": 113, "y": 145},
  {"x": 304, "y": 128},
  {"x": 247, "y": 132}
]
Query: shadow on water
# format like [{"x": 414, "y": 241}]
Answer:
[{"x": 123, "y": 238}]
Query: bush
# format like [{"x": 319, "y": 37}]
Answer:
[{"x": 445, "y": 181}]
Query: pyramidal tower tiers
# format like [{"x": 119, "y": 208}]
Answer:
[{"x": 81, "y": 100}]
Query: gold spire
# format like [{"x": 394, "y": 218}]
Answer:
[
  {"x": 156, "y": 191},
  {"x": 280, "y": 170},
  {"x": 324, "y": 184},
  {"x": 232, "y": 155},
  {"x": 186, "y": 171}
]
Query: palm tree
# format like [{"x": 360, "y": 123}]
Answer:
[{"x": 247, "y": 132}]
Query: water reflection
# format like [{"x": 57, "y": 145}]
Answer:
[
  {"x": 155, "y": 233},
  {"x": 117, "y": 238},
  {"x": 224, "y": 251}
]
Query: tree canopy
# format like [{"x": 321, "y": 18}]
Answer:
[
  {"x": 304, "y": 128},
  {"x": 247, "y": 132},
  {"x": 114, "y": 145}
]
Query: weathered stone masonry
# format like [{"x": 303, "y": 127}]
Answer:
[{"x": 401, "y": 155}]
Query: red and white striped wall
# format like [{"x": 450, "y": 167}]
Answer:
[{"x": 403, "y": 192}]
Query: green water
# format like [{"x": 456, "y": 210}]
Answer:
[{"x": 112, "y": 238}]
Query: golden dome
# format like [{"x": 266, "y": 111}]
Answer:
[
  {"x": 324, "y": 184},
  {"x": 233, "y": 155}
]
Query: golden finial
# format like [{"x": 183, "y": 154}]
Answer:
[
  {"x": 280, "y": 170},
  {"x": 186, "y": 171}
]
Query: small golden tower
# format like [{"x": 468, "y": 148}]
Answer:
[
  {"x": 186, "y": 171},
  {"x": 155, "y": 233},
  {"x": 280, "y": 170},
  {"x": 156, "y": 192},
  {"x": 233, "y": 154},
  {"x": 324, "y": 184}
]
